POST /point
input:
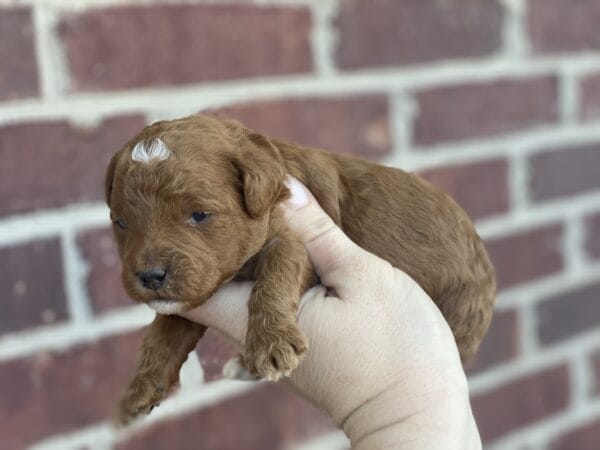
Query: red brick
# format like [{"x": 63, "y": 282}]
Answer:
[
  {"x": 18, "y": 71},
  {"x": 64, "y": 163},
  {"x": 565, "y": 172},
  {"x": 590, "y": 97},
  {"x": 521, "y": 402},
  {"x": 481, "y": 188},
  {"x": 31, "y": 285},
  {"x": 389, "y": 32},
  {"x": 269, "y": 418},
  {"x": 592, "y": 240},
  {"x": 569, "y": 313},
  {"x": 214, "y": 351},
  {"x": 501, "y": 344},
  {"x": 584, "y": 437},
  {"x": 485, "y": 109},
  {"x": 527, "y": 255},
  {"x": 184, "y": 43},
  {"x": 562, "y": 26},
  {"x": 104, "y": 277},
  {"x": 357, "y": 125},
  {"x": 54, "y": 392}
]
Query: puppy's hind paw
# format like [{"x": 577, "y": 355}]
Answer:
[{"x": 234, "y": 370}]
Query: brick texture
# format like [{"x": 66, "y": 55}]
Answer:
[
  {"x": 592, "y": 239},
  {"x": 31, "y": 286},
  {"x": 590, "y": 97},
  {"x": 212, "y": 42},
  {"x": 521, "y": 402},
  {"x": 526, "y": 256},
  {"x": 269, "y": 418},
  {"x": 104, "y": 276},
  {"x": 480, "y": 188},
  {"x": 484, "y": 109},
  {"x": 18, "y": 71},
  {"x": 501, "y": 344},
  {"x": 595, "y": 366},
  {"x": 88, "y": 378},
  {"x": 64, "y": 163},
  {"x": 568, "y": 314},
  {"x": 581, "y": 438},
  {"x": 357, "y": 125},
  {"x": 388, "y": 32},
  {"x": 559, "y": 26},
  {"x": 565, "y": 172},
  {"x": 214, "y": 351}
]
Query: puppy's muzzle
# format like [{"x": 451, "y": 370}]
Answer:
[{"x": 152, "y": 278}]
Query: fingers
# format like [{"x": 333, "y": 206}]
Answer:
[{"x": 339, "y": 262}]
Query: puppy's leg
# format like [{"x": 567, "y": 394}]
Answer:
[
  {"x": 274, "y": 343},
  {"x": 164, "y": 350}
]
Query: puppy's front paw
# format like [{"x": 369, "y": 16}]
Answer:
[
  {"x": 274, "y": 355},
  {"x": 141, "y": 396}
]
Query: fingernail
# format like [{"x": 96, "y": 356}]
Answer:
[{"x": 299, "y": 197}]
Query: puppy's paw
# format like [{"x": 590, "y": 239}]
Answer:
[
  {"x": 274, "y": 356},
  {"x": 234, "y": 370},
  {"x": 140, "y": 398}
]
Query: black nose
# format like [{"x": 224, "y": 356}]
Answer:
[{"x": 152, "y": 278}]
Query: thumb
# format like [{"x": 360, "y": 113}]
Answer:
[{"x": 337, "y": 260}]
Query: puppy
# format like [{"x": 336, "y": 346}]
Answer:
[{"x": 194, "y": 204}]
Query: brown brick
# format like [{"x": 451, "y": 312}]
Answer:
[
  {"x": 584, "y": 437},
  {"x": 565, "y": 172},
  {"x": 563, "y": 26},
  {"x": 485, "y": 109},
  {"x": 214, "y": 351},
  {"x": 52, "y": 164},
  {"x": 54, "y": 392},
  {"x": 569, "y": 313},
  {"x": 481, "y": 188},
  {"x": 18, "y": 71},
  {"x": 389, "y": 32},
  {"x": 357, "y": 125},
  {"x": 590, "y": 97},
  {"x": 501, "y": 344},
  {"x": 31, "y": 286},
  {"x": 184, "y": 43},
  {"x": 521, "y": 402},
  {"x": 269, "y": 418},
  {"x": 104, "y": 277},
  {"x": 527, "y": 255}
]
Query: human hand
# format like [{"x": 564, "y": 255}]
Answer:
[{"x": 382, "y": 361}]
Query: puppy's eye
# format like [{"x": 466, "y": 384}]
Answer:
[
  {"x": 121, "y": 224},
  {"x": 199, "y": 217}
]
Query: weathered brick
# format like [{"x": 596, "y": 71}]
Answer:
[
  {"x": 521, "y": 402},
  {"x": 501, "y": 344},
  {"x": 592, "y": 231},
  {"x": 31, "y": 285},
  {"x": 214, "y": 351},
  {"x": 64, "y": 163},
  {"x": 584, "y": 437},
  {"x": 485, "y": 109},
  {"x": 590, "y": 97},
  {"x": 569, "y": 313},
  {"x": 527, "y": 255},
  {"x": 269, "y": 418},
  {"x": 563, "y": 26},
  {"x": 565, "y": 172},
  {"x": 18, "y": 71},
  {"x": 388, "y": 32},
  {"x": 481, "y": 188},
  {"x": 357, "y": 125},
  {"x": 53, "y": 392},
  {"x": 104, "y": 277},
  {"x": 184, "y": 43}
]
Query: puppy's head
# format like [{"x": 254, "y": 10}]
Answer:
[{"x": 190, "y": 202}]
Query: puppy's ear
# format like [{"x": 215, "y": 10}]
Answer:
[
  {"x": 108, "y": 180},
  {"x": 261, "y": 171}
]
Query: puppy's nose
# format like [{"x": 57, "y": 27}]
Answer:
[{"x": 152, "y": 278}]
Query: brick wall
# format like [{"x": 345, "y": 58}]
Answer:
[{"x": 496, "y": 101}]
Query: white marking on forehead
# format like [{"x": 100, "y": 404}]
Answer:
[{"x": 146, "y": 151}]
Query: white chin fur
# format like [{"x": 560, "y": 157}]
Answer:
[{"x": 166, "y": 306}]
